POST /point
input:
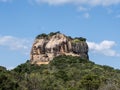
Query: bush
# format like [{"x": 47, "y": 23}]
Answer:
[{"x": 41, "y": 36}]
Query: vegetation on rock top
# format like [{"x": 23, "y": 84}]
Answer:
[{"x": 43, "y": 35}]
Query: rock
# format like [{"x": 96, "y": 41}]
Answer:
[{"x": 46, "y": 47}]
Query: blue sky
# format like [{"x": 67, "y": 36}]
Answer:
[{"x": 97, "y": 20}]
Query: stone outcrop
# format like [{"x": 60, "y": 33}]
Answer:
[{"x": 46, "y": 47}]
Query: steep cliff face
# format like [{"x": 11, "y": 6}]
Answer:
[{"x": 46, "y": 47}]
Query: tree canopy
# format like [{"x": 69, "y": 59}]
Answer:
[{"x": 62, "y": 73}]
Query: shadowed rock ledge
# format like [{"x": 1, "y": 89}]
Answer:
[{"x": 48, "y": 46}]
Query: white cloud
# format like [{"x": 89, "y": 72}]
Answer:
[
  {"x": 10, "y": 68},
  {"x": 81, "y": 2},
  {"x": 105, "y": 47},
  {"x": 14, "y": 43}
]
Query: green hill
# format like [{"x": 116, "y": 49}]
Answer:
[{"x": 63, "y": 73}]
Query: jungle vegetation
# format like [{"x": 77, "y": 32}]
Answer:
[{"x": 62, "y": 73}]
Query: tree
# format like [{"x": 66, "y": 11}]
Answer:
[{"x": 91, "y": 82}]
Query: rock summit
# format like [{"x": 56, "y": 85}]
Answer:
[{"x": 48, "y": 46}]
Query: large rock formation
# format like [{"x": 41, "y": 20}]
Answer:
[{"x": 46, "y": 47}]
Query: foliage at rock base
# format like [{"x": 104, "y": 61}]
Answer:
[{"x": 62, "y": 73}]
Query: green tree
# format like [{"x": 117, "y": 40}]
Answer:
[{"x": 91, "y": 82}]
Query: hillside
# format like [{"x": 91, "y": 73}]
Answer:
[{"x": 62, "y": 73}]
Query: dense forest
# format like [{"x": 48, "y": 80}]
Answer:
[{"x": 63, "y": 73}]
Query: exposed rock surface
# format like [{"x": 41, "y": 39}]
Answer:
[{"x": 46, "y": 47}]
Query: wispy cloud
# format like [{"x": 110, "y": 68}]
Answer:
[
  {"x": 118, "y": 16},
  {"x": 86, "y": 15},
  {"x": 82, "y": 5},
  {"x": 14, "y": 43},
  {"x": 5, "y": 0},
  {"x": 82, "y": 9},
  {"x": 81, "y": 2},
  {"x": 85, "y": 11},
  {"x": 105, "y": 47},
  {"x": 109, "y": 10}
]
